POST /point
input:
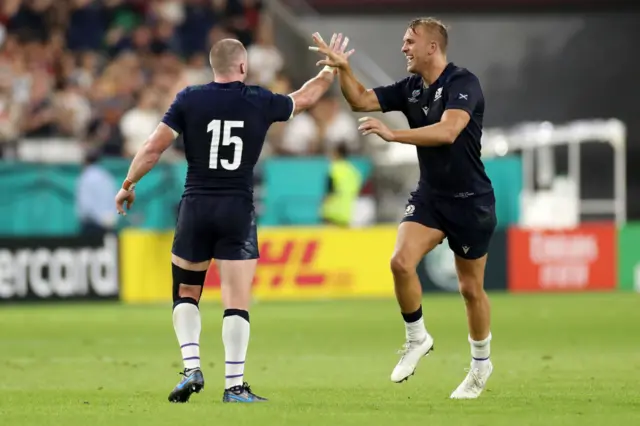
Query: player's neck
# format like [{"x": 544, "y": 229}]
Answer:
[
  {"x": 227, "y": 79},
  {"x": 433, "y": 71}
]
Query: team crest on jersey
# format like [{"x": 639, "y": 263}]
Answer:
[
  {"x": 438, "y": 94},
  {"x": 414, "y": 96},
  {"x": 409, "y": 210}
]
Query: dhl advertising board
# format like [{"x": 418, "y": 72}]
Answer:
[
  {"x": 579, "y": 259},
  {"x": 295, "y": 264}
]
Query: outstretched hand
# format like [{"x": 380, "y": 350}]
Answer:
[
  {"x": 374, "y": 126},
  {"x": 335, "y": 52}
]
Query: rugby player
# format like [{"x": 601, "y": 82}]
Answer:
[
  {"x": 454, "y": 198},
  {"x": 223, "y": 124}
]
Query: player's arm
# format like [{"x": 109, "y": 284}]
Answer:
[
  {"x": 358, "y": 97},
  {"x": 144, "y": 160},
  {"x": 311, "y": 92},
  {"x": 160, "y": 140},
  {"x": 150, "y": 152},
  {"x": 445, "y": 132}
]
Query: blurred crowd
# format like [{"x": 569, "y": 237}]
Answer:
[{"x": 103, "y": 72}]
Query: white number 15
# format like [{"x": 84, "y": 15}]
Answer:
[{"x": 215, "y": 127}]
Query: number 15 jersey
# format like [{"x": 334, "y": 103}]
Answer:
[{"x": 223, "y": 126}]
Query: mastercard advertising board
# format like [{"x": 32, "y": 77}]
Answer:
[{"x": 294, "y": 264}]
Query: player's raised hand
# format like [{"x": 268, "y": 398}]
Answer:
[
  {"x": 123, "y": 197},
  {"x": 371, "y": 125},
  {"x": 335, "y": 55}
]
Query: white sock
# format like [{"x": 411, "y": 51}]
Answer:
[
  {"x": 235, "y": 336},
  {"x": 480, "y": 352},
  {"x": 415, "y": 331},
  {"x": 187, "y": 324}
]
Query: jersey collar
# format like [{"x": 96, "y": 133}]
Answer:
[
  {"x": 230, "y": 85},
  {"x": 445, "y": 73}
]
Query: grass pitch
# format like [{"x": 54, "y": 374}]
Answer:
[{"x": 559, "y": 360}]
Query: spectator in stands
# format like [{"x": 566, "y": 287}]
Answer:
[
  {"x": 78, "y": 66},
  {"x": 335, "y": 126},
  {"x": 95, "y": 192},
  {"x": 104, "y": 130},
  {"x": 218, "y": 33},
  {"x": 265, "y": 60},
  {"x": 40, "y": 116},
  {"x": 30, "y": 18},
  {"x": 9, "y": 115},
  {"x": 85, "y": 73},
  {"x": 171, "y": 11},
  {"x": 73, "y": 110},
  {"x": 138, "y": 123},
  {"x": 86, "y": 26},
  {"x": 199, "y": 18},
  {"x": 198, "y": 71},
  {"x": 320, "y": 130}
]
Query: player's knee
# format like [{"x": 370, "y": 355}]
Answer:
[
  {"x": 470, "y": 288},
  {"x": 402, "y": 265},
  {"x": 191, "y": 291},
  {"x": 187, "y": 284}
]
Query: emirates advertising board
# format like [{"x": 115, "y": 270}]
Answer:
[{"x": 564, "y": 260}]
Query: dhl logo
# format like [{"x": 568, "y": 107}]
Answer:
[{"x": 281, "y": 262}]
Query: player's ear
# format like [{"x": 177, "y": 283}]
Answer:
[
  {"x": 433, "y": 47},
  {"x": 243, "y": 68}
]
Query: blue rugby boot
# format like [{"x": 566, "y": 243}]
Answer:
[
  {"x": 193, "y": 381},
  {"x": 241, "y": 393}
]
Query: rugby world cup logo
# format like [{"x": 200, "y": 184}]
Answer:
[{"x": 410, "y": 210}]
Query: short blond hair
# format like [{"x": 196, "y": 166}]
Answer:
[
  {"x": 434, "y": 26},
  {"x": 225, "y": 55}
]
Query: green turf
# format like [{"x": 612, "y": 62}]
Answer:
[{"x": 559, "y": 360}]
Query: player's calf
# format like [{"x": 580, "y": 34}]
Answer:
[
  {"x": 414, "y": 240},
  {"x": 236, "y": 280},
  {"x": 471, "y": 282},
  {"x": 235, "y": 336},
  {"x": 187, "y": 288}
]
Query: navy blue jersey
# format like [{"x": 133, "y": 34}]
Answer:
[
  {"x": 454, "y": 170},
  {"x": 223, "y": 127}
]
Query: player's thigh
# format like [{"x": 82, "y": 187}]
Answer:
[
  {"x": 236, "y": 279},
  {"x": 193, "y": 238},
  {"x": 190, "y": 266},
  {"x": 469, "y": 225},
  {"x": 419, "y": 232}
]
